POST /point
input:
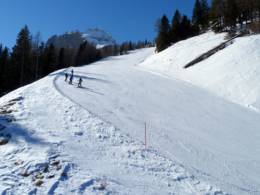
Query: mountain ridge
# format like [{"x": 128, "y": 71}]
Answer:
[{"x": 95, "y": 36}]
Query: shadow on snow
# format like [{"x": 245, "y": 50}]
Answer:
[{"x": 16, "y": 131}]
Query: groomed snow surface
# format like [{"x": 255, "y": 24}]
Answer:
[{"x": 90, "y": 140}]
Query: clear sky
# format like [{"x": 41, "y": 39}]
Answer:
[{"x": 124, "y": 19}]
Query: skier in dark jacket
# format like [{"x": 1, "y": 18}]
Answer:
[
  {"x": 66, "y": 77},
  {"x": 72, "y": 72},
  {"x": 80, "y": 82},
  {"x": 71, "y": 79}
]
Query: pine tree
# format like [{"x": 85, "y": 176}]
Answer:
[
  {"x": 80, "y": 54},
  {"x": 86, "y": 54},
  {"x": 4, "y": 74},
  {"x": 49, "y": 59},
  {"x": 22, "y": 57},
  {"x": 204, "y": 14},
  {"x": 200, "y": 16},
  {"x": 61, "y": 58},
  {"x": 217, "y": 14},
  {"x": 231, "y": 13},
  {"x": 163, "y": 37},
  {"x": 258, "y": 9},
  {"x": 35, "y": 52},
  {"x": 176, "y": 27},
  {"x": 197, "y": 13},
  {"x": 185, "y": 28},
  {"x": 1, "y": 69},
  {"x": 247, "y": 10}
]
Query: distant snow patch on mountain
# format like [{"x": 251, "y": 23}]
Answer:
[
  {"x": 98, "y": 37},
  {"x": 95, "y": 36}
]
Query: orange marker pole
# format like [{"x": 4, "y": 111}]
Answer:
[{"x": 145, "y": 136}]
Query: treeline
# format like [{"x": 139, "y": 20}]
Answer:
[
  {"x": 221, "y": 15},
  {"x": 31, "y": 59},
  {"x": 228, "y": 14},
  {"x": 181, "y": 27},
  {"x": 124, "y": 48}
]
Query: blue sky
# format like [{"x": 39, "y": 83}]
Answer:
[{"x": 124, "y": 19}]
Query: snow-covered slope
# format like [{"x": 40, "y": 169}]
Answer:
[
  {"x": 90, "y": 140},
  {"x": 233, "y": 73},
  {"x": 56, "y": 146},
  {"x": 173, "y": 59},
  {"x": 214, "y": 140}
]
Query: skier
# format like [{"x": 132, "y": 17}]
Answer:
[
  {"x": 80, "y": 82},
  {"x": 66, "y": 77},
  {"x": 72, "y": 72},
  {"x": 71, "y": 79}
]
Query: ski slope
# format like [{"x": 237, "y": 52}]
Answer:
[
  {"x": 90, "y": 140},
  {"x": 56, "y": 146},
  {"x": 232, "y": 73},
  {"x": 213, "y": 139},
  {"x": 65, "y": 149}
]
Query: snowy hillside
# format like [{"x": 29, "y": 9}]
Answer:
[
  {"x": 232, "y": 73},
  {"x": 59, "y": 139},
  {"x": 97, "y": 37},
  {"x": 172, "y": 60}
]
